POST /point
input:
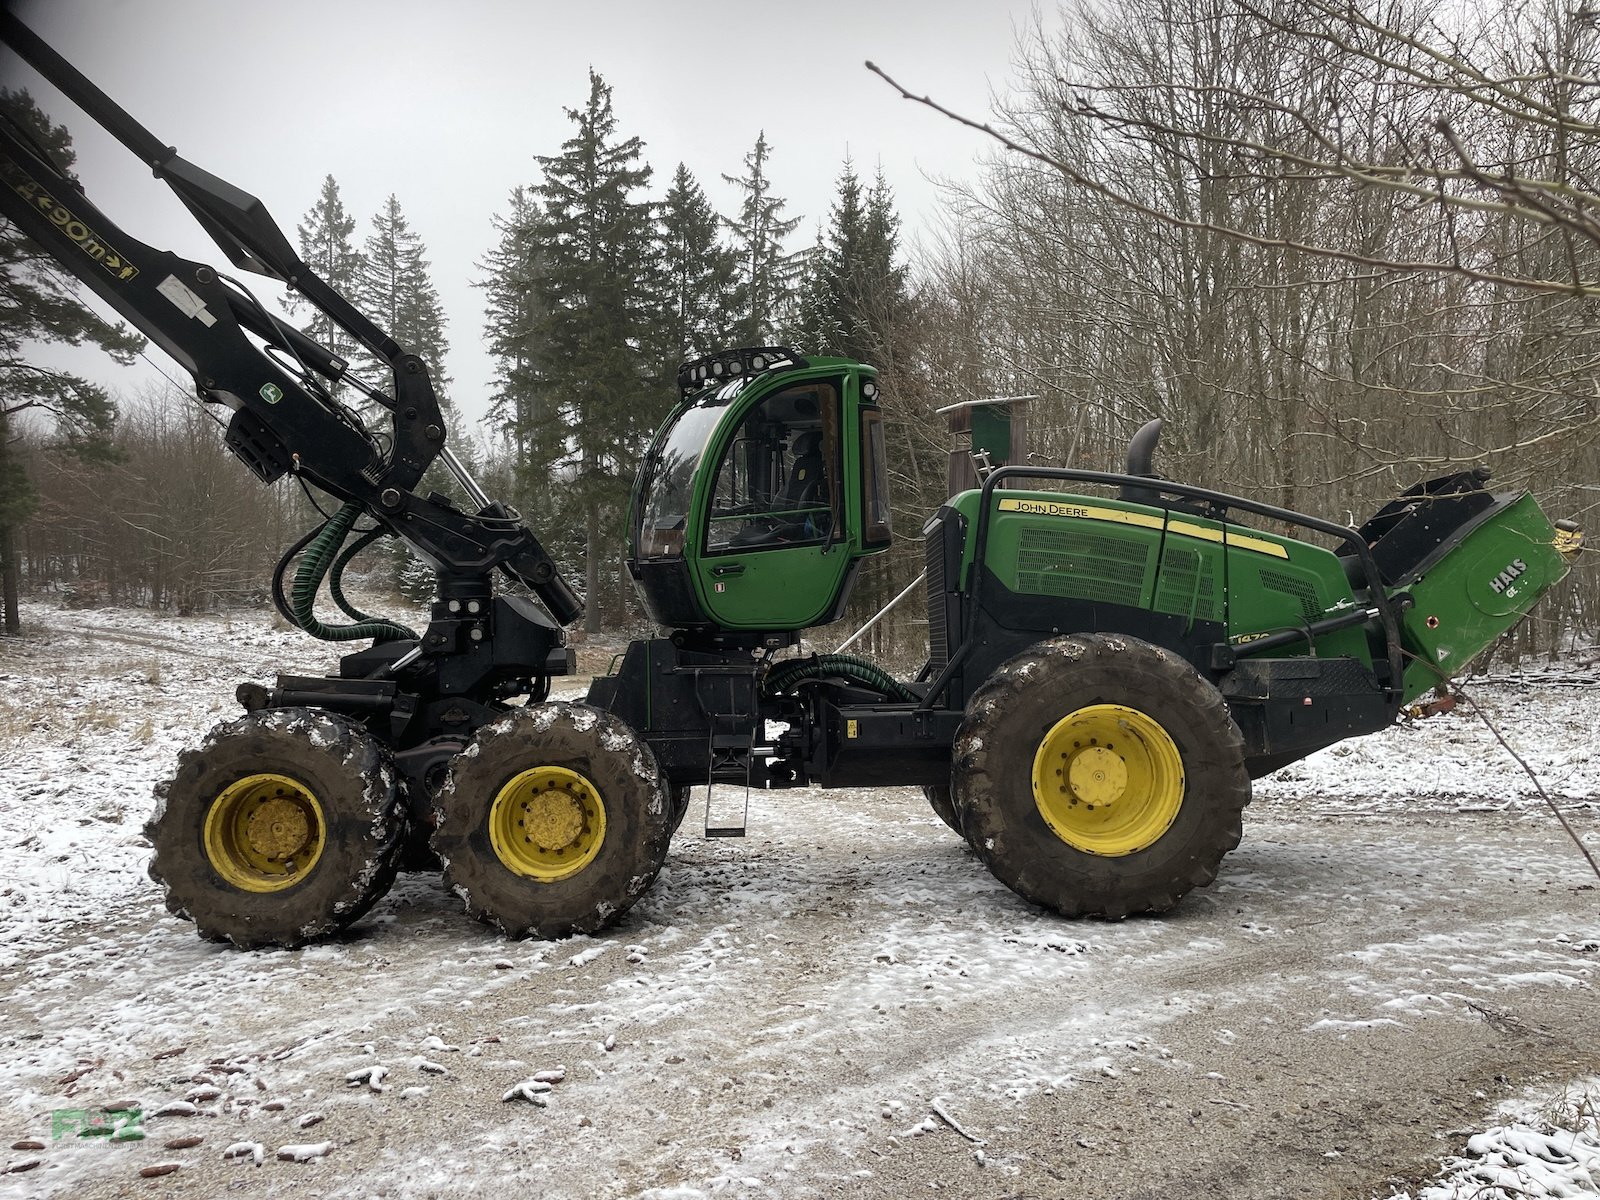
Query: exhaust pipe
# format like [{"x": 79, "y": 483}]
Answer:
[{"x": 1141, "y": 457}]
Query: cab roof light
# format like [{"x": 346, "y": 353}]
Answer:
[{"x": 698, "y": 373}]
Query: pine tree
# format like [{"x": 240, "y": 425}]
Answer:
[
  {"x": 394, "y": 288},
  {"x": 813, "y": 326},
  {"x": 699, "y": 273},
  {"x": 515, "y": 320},
  {"x": 39, "y": 305},
  {"x": 854, "y": 290},
  {"x": 766, "y": 274},
  {"x": 326, "y": 248},
  {"x": 600, "y": 305}
]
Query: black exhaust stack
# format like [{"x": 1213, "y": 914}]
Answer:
[{"x": 1141, "y": 457}]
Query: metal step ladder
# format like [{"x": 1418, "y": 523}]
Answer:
[{"x": 730, "y": 754}]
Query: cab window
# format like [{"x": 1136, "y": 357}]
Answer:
[
  {"x": 874, "y": 481},
  {"x": 775, "y": 485}
]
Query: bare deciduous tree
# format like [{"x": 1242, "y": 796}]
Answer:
[{"x": 1336, "y": 247}]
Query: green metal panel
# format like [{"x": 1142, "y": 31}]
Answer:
[
  {"x": 1479, "y": 587},
  {"x": 991, "y": 432},
  {"x": 1269, "y": 594},
  {"x": 1109, "y": 551}
]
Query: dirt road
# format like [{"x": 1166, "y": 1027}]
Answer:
[{"x": 845, "y": 1003}]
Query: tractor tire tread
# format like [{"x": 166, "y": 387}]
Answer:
[
  {"x": 357, "y": 787},
  {"x": 615, "y": 760},
  {"x": 992, "y": 763}
]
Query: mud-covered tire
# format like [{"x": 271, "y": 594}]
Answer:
[
  {"x": 1030, "y": 710},
  {"x": 943, "y": 805},
  {"x": 611, "y": 767},
  {"x": 361, "y": 828},
  {"x": 682, "y": 795}
]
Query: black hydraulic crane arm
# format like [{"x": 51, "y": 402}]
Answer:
[{"x": 284, "y": 419}]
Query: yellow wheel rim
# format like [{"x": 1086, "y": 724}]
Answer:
[
  {"x": 1108, "y": 780},
  {"x": 547, "y": 824},
  {"x": 264, "y": 833}
]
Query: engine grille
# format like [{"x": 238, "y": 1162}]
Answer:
[
  {"x": 938, "y": 623},
  {"x": 1302, "y": 590},
  {"x": 1082, "y": 565},
  {"x": 1188, "y": 581}
]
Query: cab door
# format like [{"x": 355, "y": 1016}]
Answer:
[{"x": 775, "y": 554}]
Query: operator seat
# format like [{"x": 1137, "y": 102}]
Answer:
[
  {"x": 806, "y": 476},
  {"x": 806, "y": 487}
]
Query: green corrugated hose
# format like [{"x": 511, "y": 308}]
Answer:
[
  {"x": 336, "y": 575},
  {"x": 314, "y": 566},
  {"x": 786, "y": 675}
]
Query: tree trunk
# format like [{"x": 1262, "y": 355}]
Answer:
[
  {"x": 591, "y": 567},
  {"x": 625, "y": 607},
  {"x": 10, "y": 583}
]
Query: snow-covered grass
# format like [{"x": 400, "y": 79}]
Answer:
[
  {"x": 1448, "y": 760},
  {"x": 838, "y": 1003},
  {"x": 1545, "y": 1143}
]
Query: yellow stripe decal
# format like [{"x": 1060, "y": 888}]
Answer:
[
  {"x": 1259, "y": 545},
  {"x": 1204, "y": 532},
  {"x": 1091, "y": 512}
]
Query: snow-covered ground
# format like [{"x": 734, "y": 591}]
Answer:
[
  {"x": 844, "y": 1002},
  {"x": 1545, "y": 1143}
]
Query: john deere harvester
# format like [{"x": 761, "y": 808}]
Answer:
[{"x": 1112, "y": 657}]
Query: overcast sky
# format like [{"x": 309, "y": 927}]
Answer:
[{"x": 445, "y": 103}]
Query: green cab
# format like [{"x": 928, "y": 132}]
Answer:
[{"x": 761, "y": 494}]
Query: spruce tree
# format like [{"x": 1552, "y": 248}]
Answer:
[
  {"x": 847, "y": 270},
  {"x": 601, "y": 311},
  {"x": 326, "y": 248},
  {"x": 855, "y": 291},
  {"x": 766, "y": 273},
  {"x": 813, "y": 326},
  {"x": 39, "y": 305},
  {"x": 856, "y": 306},
  {"x": 884, "y": 283},
  {"x": 699, "y": 273},
  {"x": 394, "y": 288},
  {"x": 515, "y": 321}
]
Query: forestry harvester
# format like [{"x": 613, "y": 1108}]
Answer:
[{"x": 1112, "y": 657}]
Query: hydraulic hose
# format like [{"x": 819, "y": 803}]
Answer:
[
  {"x": 336, "y": 575},
  {"x": 279, "y": 600},
  {"x": 314, "y": 566},
  {"x": 786, "y": 675}
]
